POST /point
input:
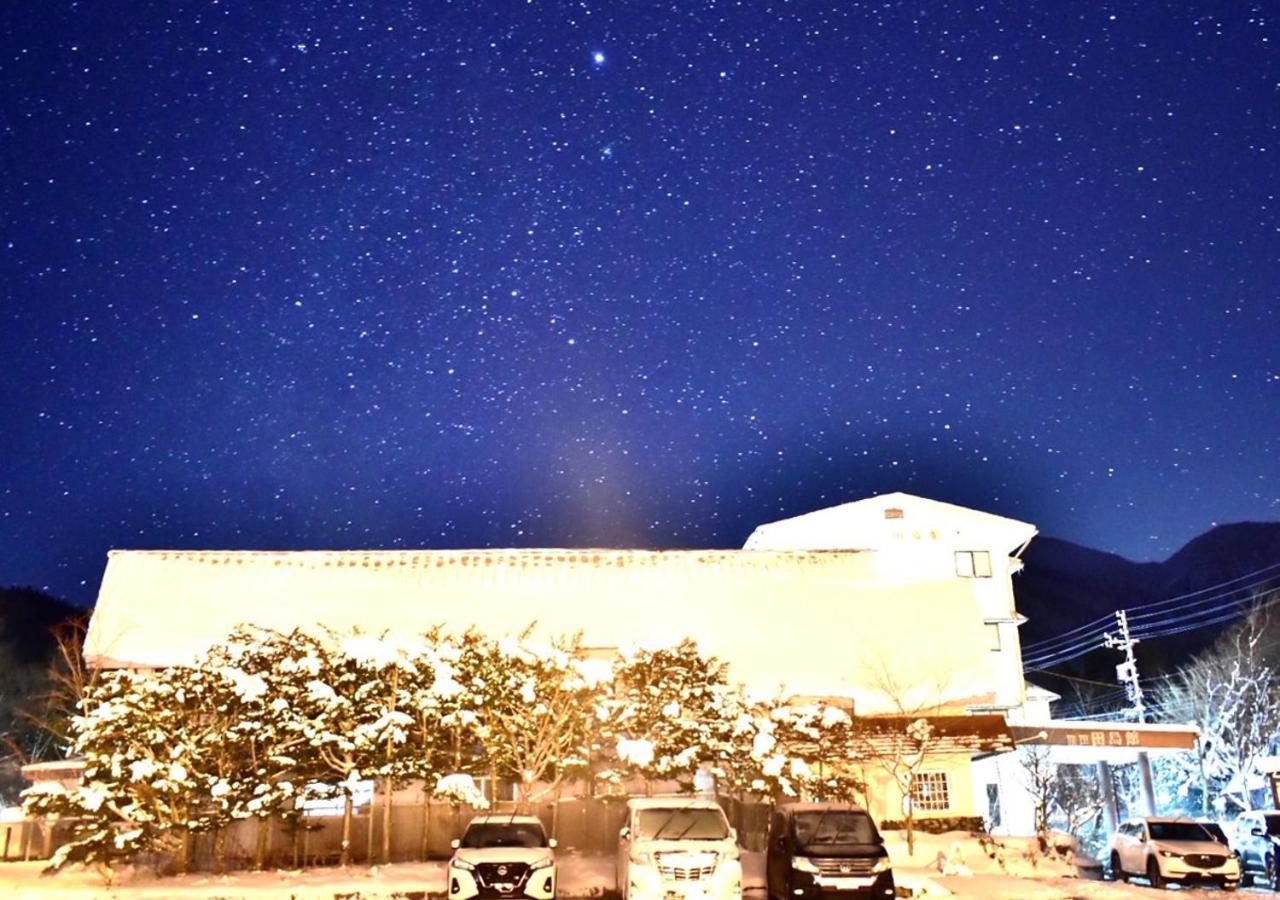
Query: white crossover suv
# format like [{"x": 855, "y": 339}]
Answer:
[
  {"x": 503, "y": 856},
  {"x": 678, "y": 848},
  {"x": 1164, "y": 850}
]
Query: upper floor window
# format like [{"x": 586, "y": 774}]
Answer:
[
  {"x": 893, "y": 513},
  {"x": 973, "y": 563}
]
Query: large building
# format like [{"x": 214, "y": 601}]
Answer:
[{"x": 895, "y": 603}]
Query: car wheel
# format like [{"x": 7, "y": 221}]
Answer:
[
  {"x": 1154, "y": 875},
  {"x": 1271, "y": 873},
  {"x": 1117, "y": 872}
]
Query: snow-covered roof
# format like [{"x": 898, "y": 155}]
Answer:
[
  {"x": 1036, "y": 692},
  {"x": 869, "y": 523},
  {"x": 820, "y": 623}
]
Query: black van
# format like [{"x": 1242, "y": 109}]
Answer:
[{"x": 823, "y": 851}]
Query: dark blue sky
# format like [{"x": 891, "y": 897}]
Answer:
[{"x": 455, "y": 274}]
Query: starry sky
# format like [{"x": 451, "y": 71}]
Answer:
[{"x": 446, "y": 274}]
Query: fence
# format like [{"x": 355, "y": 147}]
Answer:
[
  {"x": 586, "y": 825},
  {"x": 26, "y": 839}
]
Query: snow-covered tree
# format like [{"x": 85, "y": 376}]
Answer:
[
  {"x": 442, "y": 746},
  {"x": 342, "y": 716},
  {"x": 1039, "y": 773},
  {"x": 261, "y": 757},
  {"x": 1076, "y": 804},
  {"x": 668, "y": 711},
  {"x": 901, "y": 743},
  {"x": 533, "y": 708},
  {"x": 394, "y": 674},
  {"x": 781, "y": 748},
  {"x": 144, "y": 739},
  {"x": 1232, "y": 692}
]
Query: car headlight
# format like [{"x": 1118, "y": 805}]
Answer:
[
  {"x": 543, "y": 863},
  {"x": 1169, "y": 854},
  {"x": 803, "y": 864},
  {"x": 462, "y": 864},
  {"x": 642, "y": 858},
  {"x": 883, "y": 864}
]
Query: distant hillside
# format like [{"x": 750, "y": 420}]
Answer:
[
  {"x": 27, "y": 646},
  {"x": 1065, "y": 586},
  {"x": 27, "y": 618}
]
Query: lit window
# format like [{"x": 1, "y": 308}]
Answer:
[
  {"x": 993, "y": 636},
  {"x": 973, "y": 563},
  {"x": 929, "y": 792},
  {"x": 893, "y": 513}
]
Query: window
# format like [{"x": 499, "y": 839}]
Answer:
[
  {"x": 993, "y": 806},
  {"x": 892, "y": 513},
  {"x": 993, "y": 637},
  {"x": 973, "y": 563},
  {"x": 929, "y": 792}
]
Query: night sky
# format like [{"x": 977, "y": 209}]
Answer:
[{"x": 543, "y": 274}]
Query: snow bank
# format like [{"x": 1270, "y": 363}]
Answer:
[
  {"x": 580, "y": 876},
  {"x": 963, "y": 854}
]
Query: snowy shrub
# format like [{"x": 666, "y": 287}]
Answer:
[{"x": 674, "y": 700}]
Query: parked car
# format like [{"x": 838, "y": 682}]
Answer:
[
  {"x": 503, "y": 856},
  {"x": 826, "y": 850},
  {"x": 1164, "y": 850},
  {"x": 1216, "y": 831},
  {"x": 1256, "y": 839},
  {"x": 676, "y": 847}
]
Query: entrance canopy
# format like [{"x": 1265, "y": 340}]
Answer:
[{"x": 1113, "y": 742}]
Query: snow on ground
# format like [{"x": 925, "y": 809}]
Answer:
[{"x": 1004, "y": 869}]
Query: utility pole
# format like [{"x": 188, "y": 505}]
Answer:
[
  {"x": 1127, "y": 675},
  {"x": 1127, "y": 671}
]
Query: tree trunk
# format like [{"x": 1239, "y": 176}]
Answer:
[
  {"x": 184, "y": 853},
  {"x": 344, "y": 858},
  {"x": 220, "y": 851},
  {"x": 909, "y": 815},
  {"x": 260, "y": 844},
  {"x": 426, "y": 823},
  {"x": 523, "y": 803},
  {"x": 388, "y": 786}
]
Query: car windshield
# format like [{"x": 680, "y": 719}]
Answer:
[
  {"x": 1215, "y": 831},
  {"x": 832, "y": 827},
  {"x": 504, "y": 834},
  {"x": 681, "y": 824},
  {"x": 1178, "y": 831},
  {"x": 1269, "y": 824}
]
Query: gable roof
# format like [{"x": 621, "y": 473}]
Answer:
[
  {"x": 820, "y": 623},
  {"x": 861, "y": 525}
]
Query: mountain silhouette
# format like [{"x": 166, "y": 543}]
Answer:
[{"x": 1065, "y": 586}]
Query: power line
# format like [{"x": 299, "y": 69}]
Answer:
[
  {"x": 1084, "y": 639},
  {"x": 1245, "y": 589},
  {"x": 1212, "y": 587},
  {"x": 1099, "y": 623}
]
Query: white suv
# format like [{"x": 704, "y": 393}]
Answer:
[
  {"x": 1171, "y": 849},
  {"x": 503, "y": 857},
  {"x": 678, "y": 847}
]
